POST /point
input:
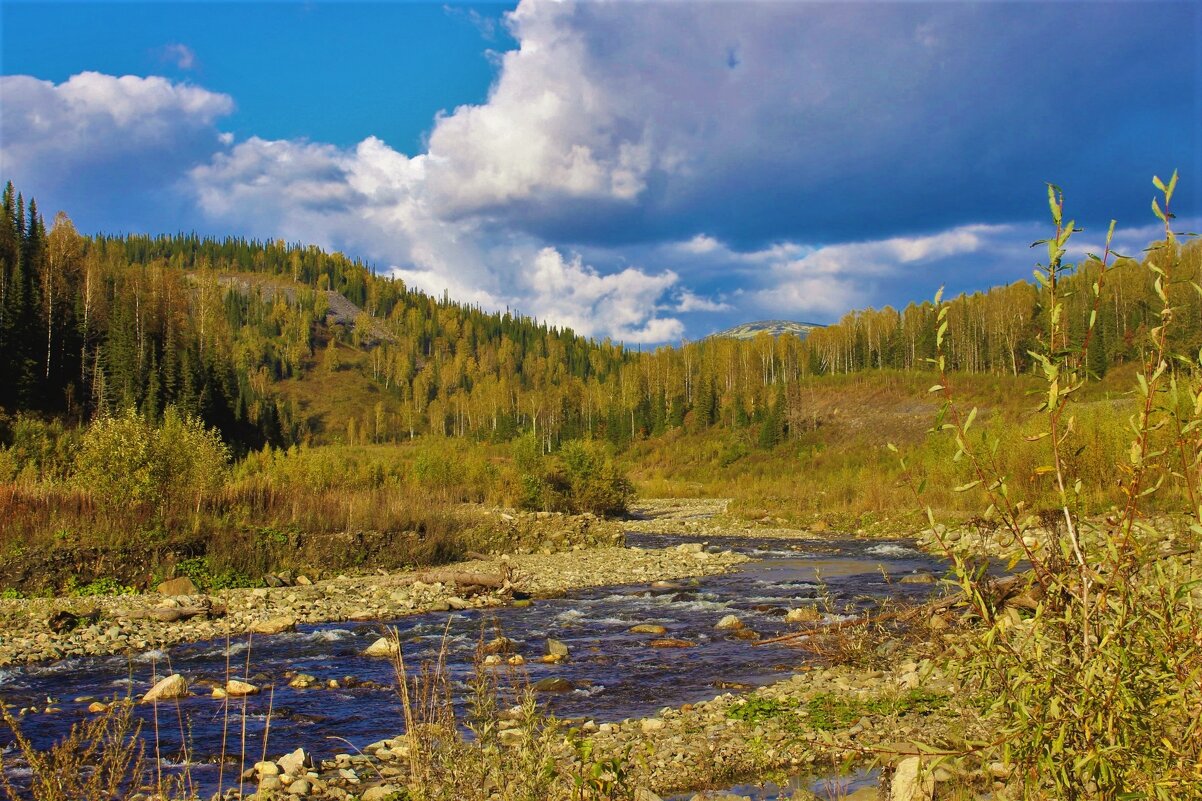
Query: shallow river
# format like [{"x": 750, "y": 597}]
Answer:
[{"x": 615, "y": 674}]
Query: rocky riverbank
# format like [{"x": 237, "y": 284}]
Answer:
[
  {"x": 133, "y": 624},
  {"x": 809, "y": 724}
]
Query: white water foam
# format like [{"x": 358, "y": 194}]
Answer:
[{"x": 891, "y": 549}]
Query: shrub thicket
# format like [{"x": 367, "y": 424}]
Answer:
[{"x": 1096, "y": 691}]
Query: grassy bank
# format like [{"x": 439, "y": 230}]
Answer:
[{"x": 837, "y": 468}]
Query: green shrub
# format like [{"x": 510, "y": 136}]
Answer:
[
  {"x": 106, "y": 585},
  {"x": 125, "y": 460},
  {"x": 580, "y": 477}
]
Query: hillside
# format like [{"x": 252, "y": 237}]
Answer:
[{"x": 276, "y": 344}]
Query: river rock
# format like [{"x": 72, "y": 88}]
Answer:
[
  {"x": 511, "y": 737},
  {"x": 803, "y": 614},
  {"x": 295, "y": 762},
  {"x": 557, "y": 648},
  {"x": 500, "y": 645},
  {"x": 381, "y": 792},
  {"x": 648, "y": 628},
  {"x": 552, "y": 685},
  {"x": 267, "y": 768},
  {"x": 238, "y": 688},
  {"x": 671, "y": 642},
  {"x": 97, "y": 706},
  {"x": 911, "y": 781},
  {"x": 651, "y": 724},
  {"x": 172, "y": 687},
  {"x": 918, "y": 578},
  {"x": 383, "y": 647},
  {"x": 274, "y": 625},
  {"x": 299, "y": 787},
  {"x": 180, "y": 585},
  {"x": 303, "y": 681},
  {"x": 729, "y": 622}
]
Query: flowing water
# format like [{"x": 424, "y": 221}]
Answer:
[{"x": 614, "y": 673}]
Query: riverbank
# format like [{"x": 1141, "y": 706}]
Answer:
[
  {"x": 137, "y": 623},
  {"x": 817, "y": 723}
]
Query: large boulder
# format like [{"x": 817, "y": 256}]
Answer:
[
  {"x": 237, "y": 688},
  {"x": 170, "y": 688},
  {"x": 180, "y": 585},
  {"x": 274, "y": 625}
]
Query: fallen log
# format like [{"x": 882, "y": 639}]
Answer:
[{"x": 174, "y": 614}]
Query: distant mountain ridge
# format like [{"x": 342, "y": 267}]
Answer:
[{"x": 772, "y": 327}]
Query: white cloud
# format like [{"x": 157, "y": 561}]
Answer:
[
  {"x": 699, "y": 245},
  {"x": 690, "y": 302},
  {"x": 571, "y": 293},
  {"x": 180, "y": 55},
  {"x": 877, "y": 257},
  {"x": 92, "y": 128},
  {"x": 548, "y": 129}
]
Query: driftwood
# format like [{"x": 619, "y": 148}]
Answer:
[{"x": 174, "y": 614}]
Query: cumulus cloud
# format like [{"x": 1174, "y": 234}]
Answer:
[
  {"x": 819, "y": 156},
  {"x": 101, "y": 139},
  {"x": 691, "y": 302},
  {"x": 771, "y": 121}
]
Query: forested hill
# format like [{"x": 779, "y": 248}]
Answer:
[{"x": 259, "y": 340}]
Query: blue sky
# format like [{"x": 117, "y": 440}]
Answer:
[{"x": 646, "y": 171}]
